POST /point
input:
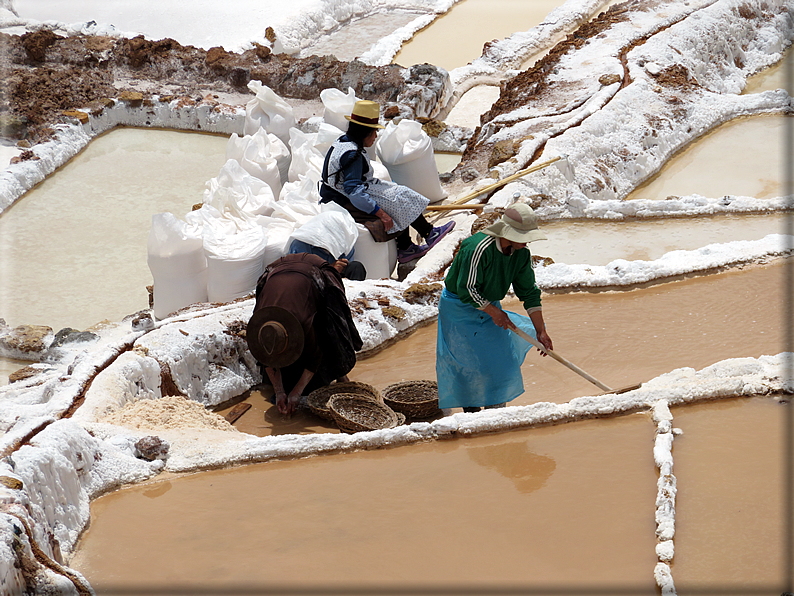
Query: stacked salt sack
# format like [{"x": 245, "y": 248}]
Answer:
[
  {"x": 264, "y": 193},
  {"x": 407, "y": 152},
  {"x": 263, "y": 155},
  {"x": 178, "y": 264}
]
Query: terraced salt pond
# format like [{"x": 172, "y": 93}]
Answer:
[
  {"x": 96, "y": 212},
  {"x": 457, "y": 37},
  {"x": 621, "y": 338},
  {"x": 568, "y": 507}
]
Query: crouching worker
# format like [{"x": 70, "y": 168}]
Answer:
[
  {"x": 478, "y": 358},
  {"x": 302, "y": 330}
]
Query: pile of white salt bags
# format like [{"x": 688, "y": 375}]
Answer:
[{"x": 265, "y": 192}]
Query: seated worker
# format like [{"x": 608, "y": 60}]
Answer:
[
  {"x": 347, "y": 179},
  {"x": 302, "y": 330},
  {"x": 326, "y": 234}
]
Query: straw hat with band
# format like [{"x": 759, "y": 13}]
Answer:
[
  {"x": 518, "y": 224},
  {"x": 274, "y": 336},
  {"x": 366, "y": 113}
]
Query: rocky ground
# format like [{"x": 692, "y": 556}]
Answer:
[{"x": 47, "y": 74}]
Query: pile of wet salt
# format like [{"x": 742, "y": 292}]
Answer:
[{"x": 172, "y": 412}]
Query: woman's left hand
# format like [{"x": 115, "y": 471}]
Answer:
[{"x": 340, "y": 265}]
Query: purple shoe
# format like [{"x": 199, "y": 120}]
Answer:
[
  {"x": 438, "y": 233},
  {"x": 411, "y": 253}
]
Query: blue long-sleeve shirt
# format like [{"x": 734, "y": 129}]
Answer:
[{"x": 356, "y": 173}]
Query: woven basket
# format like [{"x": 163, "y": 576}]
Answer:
[
  {"x": 415, "y": 399},
  {"x": 354, "y": 413},
  {"x": 317, "y": 400}
]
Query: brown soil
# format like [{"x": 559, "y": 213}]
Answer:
[{"x": 46, "y": 74}]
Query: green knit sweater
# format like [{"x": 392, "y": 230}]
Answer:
[{"x": 481, "y": 274}]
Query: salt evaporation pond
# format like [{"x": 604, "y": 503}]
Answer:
[
  {"x": 457, "y": 37},
  {"x": 621, "y": 338},
  {"x": 743, "y": 157},
  {"x": 110, "y": 190},
  {"x": 74, "y": 248},
  {"x": 730, "y": 465},
  {"x": 492, "y": 512}
]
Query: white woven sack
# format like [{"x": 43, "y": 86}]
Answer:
[
  {"x": 380, "y": 171},
  {"x": 234, "y": 261},
  {"x": 305, "y": 158},
  {"x": 278, "y": 232},
  {"x": 337, "y": 105},
  {"x": 177, "y": 262},
  {"x": 407, "y": 152},
  {"x": 378, "y": 258},
  {"x": 296, "y": 208},
  {"x": 334, "y": 230},
  {"x": 326, "y": 135},
  {"x": 236, "y": 193},
  {"x": 306, "y": 187},
  {"x": 254, "y": 154},
  {"x": 267, "y": 110}
]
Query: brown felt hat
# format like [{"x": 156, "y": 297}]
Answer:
[
  {"x": 274, "y": 336},
  {"x": 366, "y": 113}
]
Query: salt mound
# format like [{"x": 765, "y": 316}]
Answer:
[{"x": 173, "y": 412}]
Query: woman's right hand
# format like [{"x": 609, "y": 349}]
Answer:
[
  {"x": 499, "y": 317},
  {"x": 388, "y": 222}
]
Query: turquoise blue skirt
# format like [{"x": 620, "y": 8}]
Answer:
[{"x": 477, "y": 362}]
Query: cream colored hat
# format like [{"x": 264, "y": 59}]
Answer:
[
  {"x": 518, "y": 224},
  {"x": 366, "y": 113}
]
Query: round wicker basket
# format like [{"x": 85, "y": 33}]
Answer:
[
  {"x": 354, "y": 413},
  {"x": 317, "y": 400},
  {"x": 415, "y": 399}
]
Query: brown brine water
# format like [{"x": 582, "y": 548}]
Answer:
[
  {"x": 563, "y": 507},
  {"x": 568, "y": 506}
]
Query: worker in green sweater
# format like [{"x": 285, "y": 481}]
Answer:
[{"x": 478, "y": 358}]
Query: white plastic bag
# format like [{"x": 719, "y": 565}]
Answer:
[
  {"x": 177, "y": 262},
  {"x": 334, "y": 230},
  {"x": 278, "y": 232},
  {"x": 254, "y": 153},
  {"x": 234, "y": 261},
  {"x": 238, "y": 194},
  {"x": 407, "y": 152},
  {"x": 326, "y": 135},
  {"x": 337, "y": 105},
  {"x": 268, "y": 111},
  {"x": 305, "y": 158}
]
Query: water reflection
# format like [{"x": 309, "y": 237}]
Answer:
[
  {"x": 528, "y": 471},
  {"x": 157, "y": 490}
]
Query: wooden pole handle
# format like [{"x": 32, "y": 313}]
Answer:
[{"x": 560, "y": 359}]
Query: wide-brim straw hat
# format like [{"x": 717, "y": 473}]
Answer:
[
  {"x": 366, "y": 113},
  {"x": 518, "y": 224},
  {"x": 274, "y": 336}
]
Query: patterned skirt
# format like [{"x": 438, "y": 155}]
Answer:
[{"x": 403, "y": 204}]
